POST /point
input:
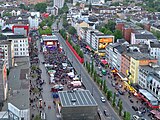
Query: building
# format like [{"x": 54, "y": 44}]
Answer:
[
  {"x": 78, "y": 105},
  {"x": 154, "y": 49},
  {"x": 136, "y": 60},
  {"x": 20, "y": 29},
  {"x": 114, "y": 54},
  {"x": 58, "y": 3},
  {"x": 149, "y": 79},
  {"x": 33, "y": 22},
  {"x": 98, "y": 41},
  {"x": 29, "y": 2},
  {"x": 140, "y": 36},
  {"x": 3, "y": 79},
  {"x": 8, "y": 49},
  {"x": 20, "y": 45}
]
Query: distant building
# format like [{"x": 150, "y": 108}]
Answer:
[
  {"x": 140, "y": 36},
  {"x": 78, "y": 105},
  {"x": 58, "y": 3},
  {"x": 29, "y": 2}
]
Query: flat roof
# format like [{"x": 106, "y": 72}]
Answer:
[
  {"x": 49, "y": 37},
  {"x": 148, "y": 95},
  {"x": 76, "y": 98}
]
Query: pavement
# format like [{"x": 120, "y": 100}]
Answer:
[
  {"x": 88, "y": 82},
  {"x": 47, "y": 96}
]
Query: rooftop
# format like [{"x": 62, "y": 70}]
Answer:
[
  {"x": 16, "y": 36},
  {"x": 49, "y": 37},
  {"x": 140, "y": 56},
  {"x": 76, "y": 98}
]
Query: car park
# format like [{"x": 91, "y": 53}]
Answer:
[{"x": 103, "y": 99}]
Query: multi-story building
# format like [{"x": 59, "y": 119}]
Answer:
[
  {"x": 149, "y": 79},
  {"x": 7, "y": 47},
  {"x": 3, "y": 78},
  {"x": 58, "y": 3},
  {"x": 33, "y": 22},
  {"x": 113, "y": 54},
  {"x": 20, "y": 29},
  {"x": 140, "y": 36},
  {"x": 136, "y": 60},
  {"x": 98, "y": 41},
  {"x": 78, "y": 104},
  {"x": 20, "y": 45}
]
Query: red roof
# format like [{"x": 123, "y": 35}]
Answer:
[{"x": 88, "y": 47}]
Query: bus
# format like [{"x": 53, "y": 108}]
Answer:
[{"x": 146, "y": 96}]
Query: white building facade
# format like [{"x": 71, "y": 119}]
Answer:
[
  {"x": 20, "y": 44},
  {"x": 33, "y": 22},
  {"x": 58, "y": 3}
]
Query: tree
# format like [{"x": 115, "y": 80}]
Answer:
[
  {"x": 118, "y": 34},
  {"x": 8, "y": 14},
  {"x": 37, "y": 117},
  {"x": 109, "y": 94},
  {"x": 101, "y": 83},
  {"x": 120, "y": 108},
  {"x": 127, "y": 116},
  {"x": 22, "y": 6},
  {"x": 118, "y": 104},
  {"x": 92, "y": 68},
  {"x": 95, "y": 75},
  {"x": 72, "y": 30},
  {"x": 41, "y": 7},
  {"x": 110, "y": 25},
  {"x": 114, "y": 100}
]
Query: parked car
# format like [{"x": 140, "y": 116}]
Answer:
[
  {"x": 100, "y": 75},
  {"x": 106, "y": 113},
  {"x": 113, "y": 84},
  {"x": 131, "y": 100},
  {"x": 120, "y": 92},
  {"x": 103, "y": 99},
  {"x": 135, "y": 117},
  {"x": 135, "y": 108}
]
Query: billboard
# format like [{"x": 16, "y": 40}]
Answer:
[{"x": 103, "y": 42}]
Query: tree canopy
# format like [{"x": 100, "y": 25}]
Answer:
[
  {"x": 41, "y": 7},
  {"x": 72, "y": 30}
]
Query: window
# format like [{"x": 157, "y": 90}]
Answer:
[{"x": 21, "y": 45}]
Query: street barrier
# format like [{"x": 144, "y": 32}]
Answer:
[{"x": 81, "y": 60}]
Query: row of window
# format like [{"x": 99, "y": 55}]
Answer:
[
  {"x": 21, "y": 53},
  {"x": 21, "y": 49},
  {"x": 16, "y": 41},
  {"x": 16, "y": 45}
]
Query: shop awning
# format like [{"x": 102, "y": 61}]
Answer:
[
  {"x": 104, "y": 61},
  {"x": 122, "y": 76},
  {"x": 88, "y": 47}
]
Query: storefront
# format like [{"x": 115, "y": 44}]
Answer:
[{"x": 130, "y": 88}]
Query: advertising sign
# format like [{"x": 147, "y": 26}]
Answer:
[{"x": 103, "y": 42}]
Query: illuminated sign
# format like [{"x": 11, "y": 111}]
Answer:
[
  {"x": 106, "y": 40},
  {"x": 103, "y": 42},
  {"x": 49, "y": 43}
]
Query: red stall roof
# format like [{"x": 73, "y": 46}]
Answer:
[
  {"x": 88, "y": 47},
  {"x": 104, "y": 61}
]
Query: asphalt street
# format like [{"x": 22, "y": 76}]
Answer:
[
  {"x": 88, "y": 82},
  {"x": 127, "y": 105}
]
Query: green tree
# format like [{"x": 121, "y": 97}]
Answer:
[
  {"x": 119, "y": 100},
  {"x": 92, "y": 68},
  {"x": 95, "y": 75},
  {"x": 37, "y": 117},
  {"x": 114, "y": 100},
  {"x": 101, "y": 85},
  {"x": 120, "y": 108},
  {"x": 127, "y": 116},
  {"x": 110, "y": 25},
  {"x": 41, "y": 7},
  {"x": 118, "y": 34},
  {"x": 8, "y": 14},
  {"x": 22, "y": 6},
  {"x": 109, "y": 94},
  {"x": 108, "y": 32},
  {"x": 72, "y": 30}
]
